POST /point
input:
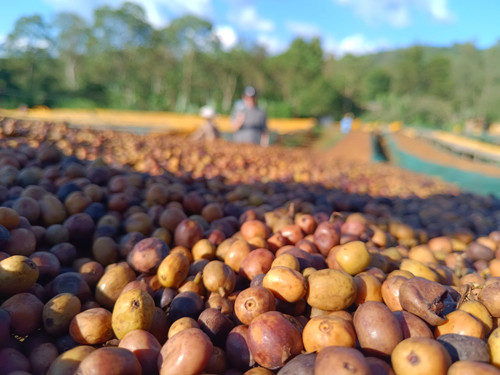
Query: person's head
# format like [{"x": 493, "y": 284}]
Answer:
[
  {"x": 250, "y": 96},
  {"x": 207, "y": 112}
]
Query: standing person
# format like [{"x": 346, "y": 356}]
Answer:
[
  {"x": 207, "y": 131},
  {"x": 346, "y": 123},
  {"x": 249, "y": 121}
]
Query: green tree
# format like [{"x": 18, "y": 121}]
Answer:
[
  {"x": 468, "y": 77},
  {"x": 490, "y": 93},
  {"x": 298, "y": 72},
  {"x": 409, "y": 74},
  {"x": 227, "y": 68},
  {"x": 347, "y": 77},
  {"x": 162, "y": 74},
  {"x": 192, "y": 36},
  {"x": 11, "y": 94},
  {"x": 116, "y": 48},
  {"x": 30, "y": 45},
  {"x": 71, "y": 45},
  {"x": 378, "y": 82},
  {"x": 119, "y": 60},
  {"x": 438, "y": 77}
]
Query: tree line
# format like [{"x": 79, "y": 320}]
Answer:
[{"x": 119, "y": 60}]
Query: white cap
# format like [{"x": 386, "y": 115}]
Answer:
[{"x": 207, "y": 112}]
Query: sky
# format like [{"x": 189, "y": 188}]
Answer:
[{"x": 343, "y": 26}]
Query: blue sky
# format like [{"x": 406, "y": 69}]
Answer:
[{"x": 344, "y": 26}]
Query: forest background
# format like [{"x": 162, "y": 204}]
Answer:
[{"x": 118, "y": 60}]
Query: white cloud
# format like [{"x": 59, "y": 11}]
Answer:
[
  {"x": 226, "y": 35},
  {"x": 157, "y": 11},
  {"x": 272, "y": 44},
  {"x": 201, "y": 8},
  {"x": 398, "y": 12},
  {"x": 439, "y": 10},
  {"x": 80, "y": 7},
  {"x": 153, "y": 12},
  {"x": 304, "y": 29},
  {"x": 247, "y": 18},
  {"x": 356, "y": 44}
]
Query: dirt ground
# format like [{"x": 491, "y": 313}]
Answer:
[
  {"x": 429, "y": 152},
  {"x": 355, "y": 146}
]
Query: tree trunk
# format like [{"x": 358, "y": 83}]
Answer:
[
  {"x": 185, "y": 97},
  {"x": 70, "y": 72},
  {"x": 228, "y": 91}
]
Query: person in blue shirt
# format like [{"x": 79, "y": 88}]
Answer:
[{"x": 346, "y": 123}]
